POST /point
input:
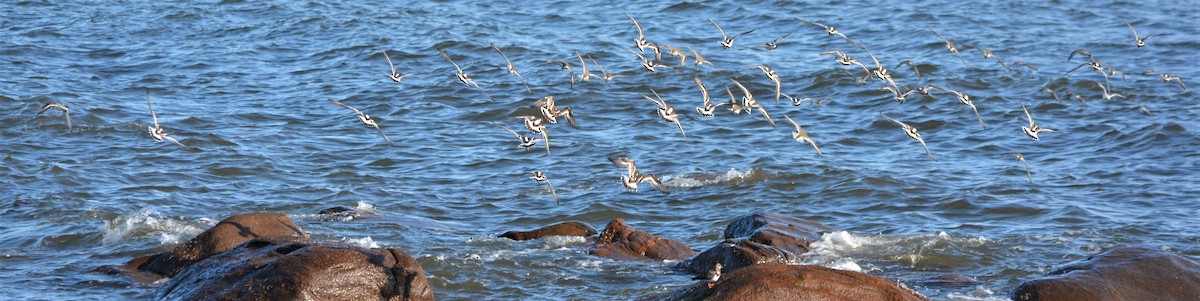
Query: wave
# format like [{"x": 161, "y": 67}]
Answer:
[
  {"x": 148, "y": 223},
  {"x": 731, "y": 177}
]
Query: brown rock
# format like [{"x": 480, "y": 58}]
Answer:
[
  {"x": 776, "y": 281},
  {"x": 759, "y": 238},
  {"x": 227, "y": 234},
  {"x": 1119, "y": 274},
  {"x": 293, "y": 268},
  {"x": 620, "y": 241},
  {"x": 561, "y": 229}
]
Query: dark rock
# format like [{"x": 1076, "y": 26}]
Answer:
[
  {"x": 620, "y": 241},
  {"x": 759, "y": 238},
  {"x": 293, "y": 268},
  {"x": 337, "y": 210},
  {"x": 227, "y": 234},
  {"x": 776, "y": 281},
  {"x": 1119, "y": 274},
  {"x": 561, "y": 229}
]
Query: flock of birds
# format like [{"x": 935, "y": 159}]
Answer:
[{"x": 651, "y": 58}]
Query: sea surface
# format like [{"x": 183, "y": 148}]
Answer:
[{"x": 247, "y": 86}]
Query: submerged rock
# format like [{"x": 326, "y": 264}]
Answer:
[
  {"x": 227, "y": 234},
  {"x": 620, "y": 241},
  {"x": 560, "y": 229},
  {"x": 1119, "y": 274},
  {"x": 759, "y": 238},
  {"x": 776, "y": 281},
  {"x": 293, "y": 268}
]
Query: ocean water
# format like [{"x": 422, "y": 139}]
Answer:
[{"x": 247, "y": 85}]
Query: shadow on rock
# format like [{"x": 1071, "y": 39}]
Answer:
[
  {"x": 1118, "y": 274},
  {"x": 776, "y": 281},
  {"x": 620, "y": 241},
  {"x": 759, "y": 238}
]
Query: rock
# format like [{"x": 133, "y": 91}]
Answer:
[
  {"x": 620, "y": 241},
  {"x": 227, "y": 234},
  {"x": 1119, "y": 274},
  {"x": 561, "y": 229},
  {"x": 293, "y": 268},
  {"x": 338, "y": 210},
  {"x": 776, "y": 281},
  {"x": 759, "y": 238}
]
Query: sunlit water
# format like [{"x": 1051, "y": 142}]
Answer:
[{"x": 248, "y": 85}]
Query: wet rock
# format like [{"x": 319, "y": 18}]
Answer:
[
  {"x": 620, "y": 241},
  {"x": 759, "y": 238},
  {"x": 1119, "y": 274},
  {"x": 227, "y": 234},
  {"x": 776, "y": 281},
  {"x": 338, "y": 210},
  {"x": 560, "y": 229},
  {"x": 293, "y": 268}
]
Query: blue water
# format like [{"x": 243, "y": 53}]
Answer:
[{"x": 248, "y": 84}]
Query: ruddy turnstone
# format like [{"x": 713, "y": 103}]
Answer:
[
  {"x": 1138, "y": 40},
  {"x": 608, "y": 77},
  {"x": 462, "y": 76},
  {"x": 1033, "y": 129},
  {"x": 828, "y": 29},
  {"x": 772, "y": 45},
  {"x": 1108, "y": 95},
  {"x": 708, "y": 108},
  {"x": 727, "y": 41},
  {"x": 770, "y": 73},
  {"x": 538, "y": 176},
  {"x": 366, "y": 120},
  {"x": 395, "y": 76},
  {"x": 987, "y": 54},
  {"x": 551, "y": 111},
  {"x": 965, "y": 100},
  {"x": 564, "y": 65},
  {"x": 646, "y": 63},
  {"x": 1166, "y": 78},
  {"x": 666, "y": 112},
  {"x": 526, "y": 142},
  {"x": 536, "y": 126},
  {"x": 911, "y": 64},
  {"x": 1021, "y": 157},
  {"x": 631, "y": 180},
  {"x": 749, "y": 103},
  {"x": 640, "y": 42},
  {"x": 156, "y": 131},
  {"x": 912, "y": 133},
  {"x": 710, "y": 278},
  {"x": 699, "y": 59}
]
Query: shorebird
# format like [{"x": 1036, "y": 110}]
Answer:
[
  {"x": 564, "y": 65},
  {"x": 1108, "y": 95},
  {"x": 462, "y": 76},
  {"x": 675, "y": 52},
  {"x": 603, "y": 73},
  {"x": 900, "y": 96},
  {"x": 512, "y": 69},
  {"x": 1033, "y": 129},
  {"x": 666, "y": 112},
  {"x": 538, "y": 176},
  {"x": 949, "y": 46},
  {"x": 707, "y": 109},
  {"x": 1138, "y": 40},
  {"x": 862, "y": 80},
  {"x": 536, "y": 126},
  {"x": 156, "y": 131},
  {"x": 879, "y": 71},
  {"x": 1052, "y": 92},
  {"x": 797, "y": 101},
  {"x": 710, "y": 278},
  {"x": 965, "y": 100},
  {"x": 551, "y": 111},
  {"x": 828, "y": 29},
  {"x": 67, "y": 112},
  {"x": 395, "y": 76},
  {"x": 801, "y": 136},
  {"x": 749, "y": 103},
  {"x": 640, "y": 42},
  {"x": 774, "y": 78},
  {"x": 585, "y": 74},
  {"x": 646, "y": 63},
  {"x": 366, "y": 120},
  {"x": 1026, "y": 65},
  {"x": 699, "y": 59},
  {"x": 845, "y": 60},
  {"x": 911, "y": 64},
  {"x": 1166, "y": 78},
  {"x": 734, "y": 105},
  {"x": 727, "y": 41},
  {"x": 912, "y": 133},
  {"x": 987, "y": 54},
  {"x": 1021, "y": 157},
  {"x": 526, "y": 142},
  {"x": 631, "y": 180},
  {"x": 772, "y": 45}
]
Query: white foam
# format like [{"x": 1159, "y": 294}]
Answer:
[
  {"x": 980, "y": 293},
  {"x": 365, "y": 242},
  {"x": 149, "y": 223},
  {"x": 690, "y": 181}
]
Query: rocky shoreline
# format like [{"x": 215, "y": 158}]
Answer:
[{"x": 265, "y": 256}]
